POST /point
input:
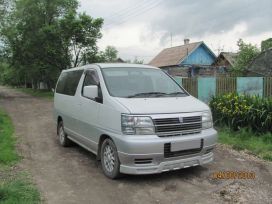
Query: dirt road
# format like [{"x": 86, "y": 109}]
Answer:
[{"x": 71, "y": 175}]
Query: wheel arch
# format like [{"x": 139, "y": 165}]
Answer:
[{"x": 101, "y": 140}]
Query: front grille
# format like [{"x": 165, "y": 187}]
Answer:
[
  {"x": 168, "y": 153},
  {"x": 187, "y": 125}
]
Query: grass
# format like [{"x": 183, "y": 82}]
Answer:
[
  {"x": 37, "y": 93},
  {"x": 18, "y": 190},
  {"x": 8, "y": 154},
  {"x": 15, "y": 187},
  {"x": 259, "y": 145}
]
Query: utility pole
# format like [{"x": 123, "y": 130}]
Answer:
[
  {"x": 219, "y": 49},
  {"x": 171, "y": 38}
]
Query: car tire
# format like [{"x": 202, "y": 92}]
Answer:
[
  {"x": 62, "y": 136},
  {"x": 109, "y": 159}
]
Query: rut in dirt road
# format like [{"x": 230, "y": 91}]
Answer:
[{"x": 71, "y": 175}]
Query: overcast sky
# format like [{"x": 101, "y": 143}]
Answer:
[{"x": 143, "y": 28}]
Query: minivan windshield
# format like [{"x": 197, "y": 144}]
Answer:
[{"x": 140, "y": 83}]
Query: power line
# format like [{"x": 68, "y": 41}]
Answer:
[
  {"x": 227, "y": 12},
  {"x": 134, "y": 14},
  {"x": 124, "y": 12},
  {"x": 116, "y": 20},
  {"x": 117, "y": 13}
]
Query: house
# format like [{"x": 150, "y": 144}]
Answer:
[
  {"x": 261, "y": 65},
  {"x": 190, "y": 59},
  {"x": 225, "y": 61},
  {"x": 119, "y": 60}
]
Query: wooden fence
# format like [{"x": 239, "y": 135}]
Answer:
[
  {"x": 268, "y": 86},
  {"x": 221, "y": 85},
  {"x": 190, "y": 85},
  {"x": 225, "y": 85}
]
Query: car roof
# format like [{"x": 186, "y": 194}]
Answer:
[
  {"x": 111, "y": 65},
  {"x": 123, "y": 65}
]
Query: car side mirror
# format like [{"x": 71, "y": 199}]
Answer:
[{"x": 90, "y": 91}]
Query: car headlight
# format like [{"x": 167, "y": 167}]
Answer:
[
  {"x": 137, "y": 125},
  {"x": 207, "y": 121}
]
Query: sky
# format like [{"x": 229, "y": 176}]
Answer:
[{"x": 142, "y": 28}]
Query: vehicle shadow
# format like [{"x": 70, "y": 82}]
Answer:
[{"x": 186, "y": 173}]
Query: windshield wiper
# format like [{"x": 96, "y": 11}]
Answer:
[
  {"x": 147, "y": 94},
  {"x": 176, "y": 93}
]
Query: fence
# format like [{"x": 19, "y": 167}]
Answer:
[{"x": 205, "y": 87}]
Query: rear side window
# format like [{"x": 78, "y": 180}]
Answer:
[{"x": 68, "y": 82}]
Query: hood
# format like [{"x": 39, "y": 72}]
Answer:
[{"x": 163, "y": 105}]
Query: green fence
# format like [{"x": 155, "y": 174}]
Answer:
[{"x": 204, "y": 87}]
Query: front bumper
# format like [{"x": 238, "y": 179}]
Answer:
[
  {"x": 168, "y": 165},
  {"x": 146, "y": 155}
]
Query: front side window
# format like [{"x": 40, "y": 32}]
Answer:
[
  {"x": 140, "y": 83},
  {"x": 91, "y": 78},
  {"x": 68, "y": 82}
]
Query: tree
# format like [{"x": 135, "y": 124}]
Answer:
[
  {"x": 93, "y": 56},
  {"x": 110, "y": 54},
  {"x": 266, "y": 44},
  {"x": 42, "y": 37},
  {"x": 247, "y": 52},
  {"x": 135, "y": 61},
  {"x": 83, "y": 32}
]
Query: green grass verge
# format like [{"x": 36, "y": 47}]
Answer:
[
  {"x": 259, "y": 145},
  {"x": 8, "y": 153},
  {"x": 15, "y": 187},
  {"x": 37, "y": 93},
  {"x": 18, "y": 190}
]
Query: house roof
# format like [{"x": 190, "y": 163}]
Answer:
[
  {"x": 120, "y": 60},
  {"x": 262, "y": 64},
  {"x": 174, "y": 55},
  {"x": 229, "y": 56}
]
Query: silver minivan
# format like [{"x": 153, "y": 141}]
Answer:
[{"x": 135, "y": 118}]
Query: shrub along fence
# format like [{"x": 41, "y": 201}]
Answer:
[
  {"x": 242, "y": 111},
  {"x": 206, "y": 87}
]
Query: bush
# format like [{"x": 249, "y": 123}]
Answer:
[{"x": 242, "y": 111}]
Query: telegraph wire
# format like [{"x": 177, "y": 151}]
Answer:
[
  {"x": 133, "y": 15},
  {"x": 124, "y": 12}
]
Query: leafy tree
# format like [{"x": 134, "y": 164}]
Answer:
[
  {"x": 110, "y": 54},
  {"x": 4, "y": 6},
  {"x": 42, "y": 37},
  {"x": 135, "y": 61},
  {"x": 266, "y": 44},
  {"x": 83, "y": 32},
  {"x": 247, "y": 52}
]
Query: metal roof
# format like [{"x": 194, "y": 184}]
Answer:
[{"x": 174, "y": 55}]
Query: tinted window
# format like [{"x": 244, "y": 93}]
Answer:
[
  {"x": 91, "y": 78},
  {"x": 68, "y": 82}
]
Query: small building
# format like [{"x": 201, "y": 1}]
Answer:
[
  {"x": 225, "y": 61},
  {"x": 188, "y": 60},
  {"x": 261, "y": 65},
  {"x": 119, "y": 60}
]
